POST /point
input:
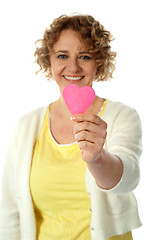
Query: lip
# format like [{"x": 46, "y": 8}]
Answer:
[{"x": 73, "y": 78}]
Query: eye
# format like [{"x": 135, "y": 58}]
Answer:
[
  {"x": 85, "y": 57},
  {"x": 62, "y": 56}
]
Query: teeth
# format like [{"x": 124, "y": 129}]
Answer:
[{"x": 73, "y": 78}]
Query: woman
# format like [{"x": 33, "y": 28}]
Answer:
[{"x": 72, "y": 177}]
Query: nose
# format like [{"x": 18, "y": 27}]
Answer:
[{"x": 74, "y": 66}]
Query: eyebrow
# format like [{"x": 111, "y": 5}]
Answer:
[
  {"x": 85, "y": 52},
  {"x": 65, "y": 51},
  {"x": 61, "y": 51}
]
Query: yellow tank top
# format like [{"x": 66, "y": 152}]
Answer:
[{"x": 57, "y": 185}]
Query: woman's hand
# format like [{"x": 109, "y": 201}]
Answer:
[{"x": 90, "y": 133}]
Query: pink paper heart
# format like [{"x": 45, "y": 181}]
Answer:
[{"x": 78, "y": 100}]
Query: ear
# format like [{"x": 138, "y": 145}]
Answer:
[
  {"x": 96, "y": 75},
  {"x": 49, "y": 69},
  {"x": 49, "y": 73}
]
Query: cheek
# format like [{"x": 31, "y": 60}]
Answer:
[
  {"x": 90, "y": 68},
  {"x": 93, "y": 70},
  {"x": 55, "y": 69}
]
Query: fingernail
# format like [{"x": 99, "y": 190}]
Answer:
[{"x": 72, "y": 118}]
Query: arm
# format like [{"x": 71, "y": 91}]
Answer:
[
  {"x": 107, "y": 170},
  {"x": 9, "y": 216},
  {"x": 117, "y": 166},
  {"x": 90, "y": 132}
]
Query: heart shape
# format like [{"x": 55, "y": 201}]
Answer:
[{"x": 78, "y": 100}]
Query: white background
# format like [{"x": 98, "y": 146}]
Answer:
[{"x": 140, "y": 29}]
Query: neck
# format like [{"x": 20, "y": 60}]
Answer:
[{"x": 63, "y": 109}]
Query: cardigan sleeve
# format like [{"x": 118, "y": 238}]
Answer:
[
  {"x": 124, "y": 140},
  {"x": 16, "y": 210},
  {"x": 9, "y": 215}
]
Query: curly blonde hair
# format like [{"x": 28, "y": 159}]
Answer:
[{"x": 91, "y": 31}]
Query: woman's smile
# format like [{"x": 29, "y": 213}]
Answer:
[{"x": 72, "y": 78}]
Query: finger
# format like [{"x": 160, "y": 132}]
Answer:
[
  {"x": 83, "y": 145},
  {"x": 90, "y": 147},
  {"x": 84, "y": 126},
  {"x": 85, "y": 136},
  {"x": 89, "y": 137},
  {"x": 98, "y": 130},
  {"x": 87, "y": 118}
]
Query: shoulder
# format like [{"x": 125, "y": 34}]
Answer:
[
  {"x": 124, "y": 127},
  {"x": 31, "y": 120},
  {"x": 121, "y": 117},
  {"x": 34, "y": 114},
  {"x": 117, "y": 106},
  {"x": 115, "y": 110}
]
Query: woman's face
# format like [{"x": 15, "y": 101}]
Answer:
[{"x": 71, "y": 61}]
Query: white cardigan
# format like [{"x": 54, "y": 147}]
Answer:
[{"x": 113, "y": 211}]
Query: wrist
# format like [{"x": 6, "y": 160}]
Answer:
[{"x": 99, "y": 159}]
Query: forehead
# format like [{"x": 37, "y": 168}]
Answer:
[{"x": 70, "y": 39}]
